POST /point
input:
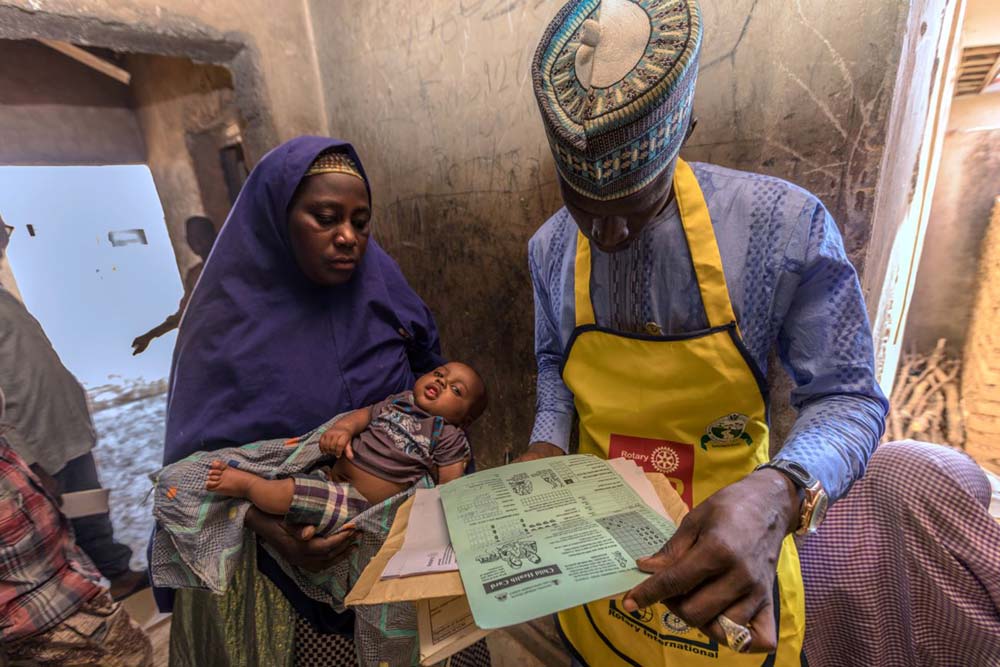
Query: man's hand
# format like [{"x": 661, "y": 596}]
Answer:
[
  {"x": 140, "y": 344},
  {"x": 539, "y": 450},
  {"x": 723, "y": 559},
  {"x": 292, "y": 543},
  {"x": 337, "y": 442}
]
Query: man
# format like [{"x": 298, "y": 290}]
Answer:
[
  {"x": 48, "y": 423},
  {"x": 53, "y": 610},
  {"x": 200, "y": 234},
  {"x": 660, "y": 290}
]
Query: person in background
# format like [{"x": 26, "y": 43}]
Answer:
[
  {"x": 53, "y": 609},
  {"x": 200, "y": 233},
  {"x": 48, "y": 423}
]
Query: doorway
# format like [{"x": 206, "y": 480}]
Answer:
[{"x": 106, "y": 155}]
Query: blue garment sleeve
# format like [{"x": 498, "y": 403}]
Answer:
[
  {"x": 554, "y": 410},
  {"x": 825, "y": 343}
]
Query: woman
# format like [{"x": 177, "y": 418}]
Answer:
[{"x": 298, "y": 316}]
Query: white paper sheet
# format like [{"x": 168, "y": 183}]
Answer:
[{"x": 426, "y": 547}]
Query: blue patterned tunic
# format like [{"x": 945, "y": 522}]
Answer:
[{"x": 791, "y": 285}]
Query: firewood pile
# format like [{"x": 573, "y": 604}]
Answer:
[{"x": 926, "y": 401}]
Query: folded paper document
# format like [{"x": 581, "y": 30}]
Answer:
[{"x": 538, "y": 537}]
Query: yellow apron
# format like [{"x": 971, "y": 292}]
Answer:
[{"x": 689, "y": 406}]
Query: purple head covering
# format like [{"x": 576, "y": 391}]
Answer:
[{"x": 263, "y": 353}]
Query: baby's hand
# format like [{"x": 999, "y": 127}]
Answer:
[{"x": 336, "y": 441}]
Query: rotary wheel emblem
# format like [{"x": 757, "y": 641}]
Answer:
[
  {"x": 674, "y": 623},
  {"x": 665, "y": 460}
]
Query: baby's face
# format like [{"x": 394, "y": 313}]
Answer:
[{"x": 453, "y": 392}]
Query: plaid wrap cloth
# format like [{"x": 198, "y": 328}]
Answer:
[
  {"x": 44, "y": 577},
  {"x": 327, "y": 505}
]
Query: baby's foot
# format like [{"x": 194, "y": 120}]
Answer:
[{"x": 228, "y": 481}]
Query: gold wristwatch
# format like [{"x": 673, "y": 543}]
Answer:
[{"x": 813, "y": 501}]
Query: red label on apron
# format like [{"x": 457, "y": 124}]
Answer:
[{"x": 673, "y": 460}]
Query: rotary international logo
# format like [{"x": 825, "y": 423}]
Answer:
[
  {"x": 674, "y": 623},
  {"x": 665, "y": 460}
]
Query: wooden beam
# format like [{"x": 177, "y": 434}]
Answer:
[{"x": 89, "y": 59}]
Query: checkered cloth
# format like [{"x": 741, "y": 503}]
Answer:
[
  {"x": 327, "y": 505},
  {"x": 905, "y": 570},
  {"x": 44, "y": 577}
]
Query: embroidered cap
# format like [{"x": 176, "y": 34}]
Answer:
[
  {"x": 615, "y": 80},
  {"x": 332, "y": 162}
]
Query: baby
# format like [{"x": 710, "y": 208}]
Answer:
[{"x": 381, "y": 450}]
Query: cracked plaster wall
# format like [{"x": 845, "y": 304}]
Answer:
[{"x": 437, "y": 96}]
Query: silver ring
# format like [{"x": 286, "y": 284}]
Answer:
[{"x": 737, "y": 636}]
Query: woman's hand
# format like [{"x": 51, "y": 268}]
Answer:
[
  {"x": 295, "y": 546},
  {"x": 539, "y": 450},
  {"x": 723, "y": 559},
  {"x": 337, "y": 442}
]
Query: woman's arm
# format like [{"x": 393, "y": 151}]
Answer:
[{"x": 315, "y": 554}]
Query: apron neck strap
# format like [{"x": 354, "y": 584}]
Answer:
[
  {"x": 704, "y": 249},
  {"x": 584, "y": 305}
]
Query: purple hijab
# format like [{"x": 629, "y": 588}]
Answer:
[{"x": 264, "y": 353}]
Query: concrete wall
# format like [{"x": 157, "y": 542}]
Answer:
[
  {"x": 176, "y": 100},
  {"x": 268, "y": 45},
  {"x": 968, "y": 183},
  {"x": 437, "y": 97},
  {"x": 56, "y": 111}
]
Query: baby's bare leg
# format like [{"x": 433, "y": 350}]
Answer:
[{"x": 273, "y": 496}]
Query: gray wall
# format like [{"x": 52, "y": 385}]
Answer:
[
  {"x": 56, "y": 111},
  {"x": 437, "y": 97}
]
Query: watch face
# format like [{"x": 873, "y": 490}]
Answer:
[{"x": 819, "y": 511}]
